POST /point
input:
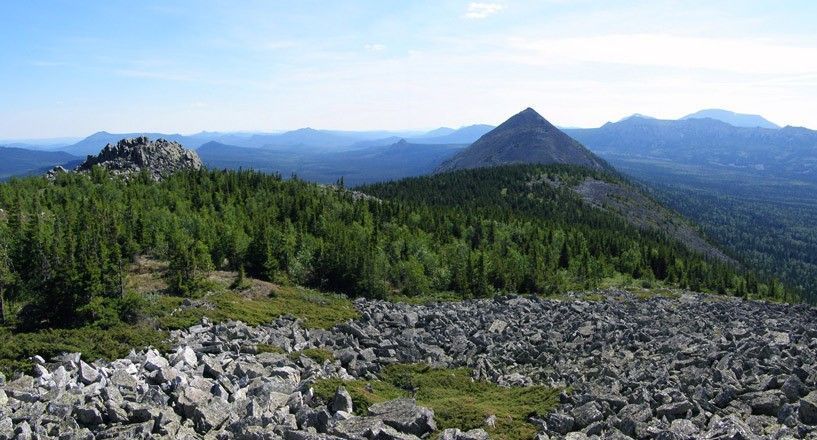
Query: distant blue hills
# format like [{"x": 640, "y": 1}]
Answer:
[{"x": 709, "y": 136}]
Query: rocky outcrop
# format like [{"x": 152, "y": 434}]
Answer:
[
  {"x": 663, "y": 368},
  {"x": 158, "y": 158}
]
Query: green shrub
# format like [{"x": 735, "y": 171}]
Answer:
[
  {"x": 268, "y": 348},
  {"x": 458, "y": 401},
  {"x": 319, "y": 355}
]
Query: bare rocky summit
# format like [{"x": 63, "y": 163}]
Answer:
[
  {"x": 159, "y": 158},
  {"x": 691, "y": 367}
]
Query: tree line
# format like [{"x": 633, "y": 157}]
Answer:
[{"x": 65, "y": 245}]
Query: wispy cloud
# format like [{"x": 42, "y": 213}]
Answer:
[
  {"x": 482, "y": 10},
  {"x": 743, "y": 56},
  {"x": 375, "y": 47},
  {"x": 49, "y": 63},
  {"x": 148, "y": 74}
]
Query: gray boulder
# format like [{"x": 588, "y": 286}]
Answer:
[
  {"x": 587, "y": 414},
  {"x": 405, "y": 416},
  {"x": 808, "y": 409},
  {"x": 342, "y": 401}
]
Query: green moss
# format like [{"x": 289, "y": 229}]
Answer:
[
  {"x": 645, "y": 294},
  {"x": 317, "y": 310},
  {"x": 268, "y": 348},
  {"x": 595, "y": 297},
  {"x": 319, "y": 355},
  {"x": 364, "y": 393},
  {"x": 93, "y": 343},
  {"x": 458, "y": 401},
  {"x": 428, "y": 298}
]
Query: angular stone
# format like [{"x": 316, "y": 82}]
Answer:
[
  {"x": 389, "y": 433},
  {"x": 357, "y": 428},
  {"x": 560, "y": 422},
  {"x": 88, "y": 415},
  {"x": 210, "y": 416},
  {"x": 586, "y": 414},
  {"x": 474, "y": 434},
  {"x": 730, "y": 428},
  {"x": 808, "y": 409},
  {"x": 764, "y": 402},
  {"x": 133, "y": 431},
  {"x": 342, "y": 401},
  {"x": 87, "y": 373},
  {"x": 187, "y": 356},
  {"x": 405, "y": 416},
  {"x": 154, "y": 361},
  {"x": 676, "y": 409},
  {"x": 498, "y": 326},
  {"x": 191, "y": 398},
  {"x": 124, "y": 380},
  {"x": 683, "y": 429},
  {"x": 792, "y": 388}
]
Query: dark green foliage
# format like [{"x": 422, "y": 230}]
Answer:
[
  {"x": 94, "y": 343},
  {"x": 318, "y": 355},
  {"x": 499, "y": 232},
  {"x": 474, "y": 233},
  {"x": 766, "y": 221}
]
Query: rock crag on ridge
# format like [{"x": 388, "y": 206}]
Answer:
[{"x": 127, "y": 157}]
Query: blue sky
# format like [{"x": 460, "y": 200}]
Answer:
[{"x": 70, "y": 68}]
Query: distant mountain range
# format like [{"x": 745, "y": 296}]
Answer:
[
  {"x": 732, "y": 118},
  {"x": 789, "y": 150},
  {"x": 19, "y": 161},
  {"x": 527, "y": 138},
  {"x": 363, "y": 165},
  {"x": 710, "y": 137}
]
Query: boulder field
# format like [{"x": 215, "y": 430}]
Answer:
[{"x": 690, "y": 367}]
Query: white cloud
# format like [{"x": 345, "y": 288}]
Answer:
[
  {"x": 482, "y": 10},
  {"x": 375, "y": 47},
  {"x": 744, "y": 56}
]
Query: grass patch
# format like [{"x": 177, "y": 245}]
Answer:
[
  {"x": 645, "y": 294},
  {"x": 428, "y": 298},
  {"x": 317, "y": 310},
  {"x": 260, "y": 303},
  {"x": 268, "y": 348},
  {"x": 594, "y": 297},
  {"x": 319, "y": 355},
  {"x": 458, "y": 401},
  {"x": 93, "y": 343}
]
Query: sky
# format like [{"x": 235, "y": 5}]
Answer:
[{"x": 74, "y": 67}]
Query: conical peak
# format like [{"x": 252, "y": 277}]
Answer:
[
  {"x": 525, "y": 137},
  {"x": 528, "y": 116}
]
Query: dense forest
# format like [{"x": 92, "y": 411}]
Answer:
[
  {"x": 775, "y": 237},
  {"x": 765, "y": 220},
  {"x": 64, "y": 245}
]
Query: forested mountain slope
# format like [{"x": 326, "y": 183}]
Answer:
[
  {"x": 474, "y": 233},
  {"x": 754, "y": 190}
]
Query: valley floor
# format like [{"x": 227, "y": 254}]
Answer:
[{"x": 609, "y": 365}]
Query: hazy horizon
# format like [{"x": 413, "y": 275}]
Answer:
[{"x": 75, "y": 69}]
